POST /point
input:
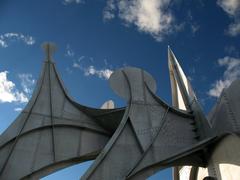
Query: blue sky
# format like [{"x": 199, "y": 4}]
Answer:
[{"x": 95, "y": 37}]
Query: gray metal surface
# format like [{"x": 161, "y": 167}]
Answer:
[
  {"x": 182, "y": 91},
  {"x": 203, "y": 127},
  {"x": 224, "y": 119},
  {"x": 225, "y": 116},
  {"x": 52, "y": 132},
  {"x": 151, "y": 132},
  {"x": 132, "y": 142}
]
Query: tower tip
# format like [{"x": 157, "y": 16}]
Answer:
[
  {"x": 49, "y": 49},
  {"x": 170, "y": 54},
  {"x": 169, "y": 49}
]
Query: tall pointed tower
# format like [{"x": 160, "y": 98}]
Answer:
[
  {"x": 220, "y": 163},
  {"x": 183, "y": 97}
]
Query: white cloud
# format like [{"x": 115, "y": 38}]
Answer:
[
  {"x": 66, "y": 2},
  {"x": 20, "y": 97},
  {"x": 27, "y": 83},
  {"x": 8, "y": 91},
  {"x": 3, "y": 43},
  {"x": 149, "y": 16},
  {"x": 76, "y": 65},
  {"x": 229, "y": 6},
  {"x": 194, "y": 28},
  {"x": 179, "y": 27},
  {"x": 69, "y": 51},
  {"x": 231, "y": 73},
  {"x": 109, "y": 10},
  {"x": 6, "y": 88},
  {"x": 105, "y": 62},
  {"x": 85, "y": 65},
  {"x": 234, "y": 29},
  {"x": 101, "y": 73},
  {"x": 193, "y": 25},
  {"x": 231, "y": 50},
  {"x": 232, "y": 8},
  {"x": 6, "y": 38},
  {"x": 18, "y": 109},
  {"x": 81, "y": 58}
]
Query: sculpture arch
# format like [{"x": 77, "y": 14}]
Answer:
[{"x": 54, "y": 131}]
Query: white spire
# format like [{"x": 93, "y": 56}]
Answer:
[
  {"x": 181, "y": 88},
  {"x": 183, "y": 95}
]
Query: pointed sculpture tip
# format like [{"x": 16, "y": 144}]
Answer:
[
  {"x": 49, "y": 49},
  {"x": 169, "y": 54},
  {"x": 169, "y": 48}
]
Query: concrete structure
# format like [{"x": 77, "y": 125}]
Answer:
[{"x": 133, "y": 142}]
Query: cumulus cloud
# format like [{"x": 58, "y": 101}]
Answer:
[
  {"x": 67, "y": 2},
  {"x": 149, "y": 16},
  {"x": 231, "y": 73},
  {"x": 232, "y": 8},
  {"x": 8, "y": 91},
  {"x": 7, "y": 38}
]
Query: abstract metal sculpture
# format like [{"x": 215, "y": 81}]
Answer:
[{"x": 133, "y": 142}]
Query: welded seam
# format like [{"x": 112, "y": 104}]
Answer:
[
  {"x": 163, "y": 120},
  {"x": 51, "y": 111},
  {"x": 56, "y": 125},
  {"x": 36, "y": 149},
  {"x": 145, "y": 100}
]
